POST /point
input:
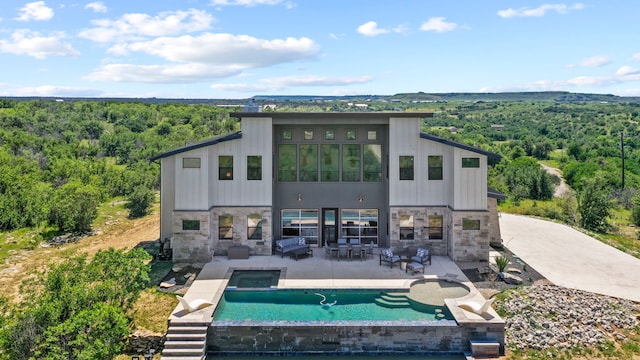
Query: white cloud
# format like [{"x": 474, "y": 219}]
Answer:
[
  {"x": 32, "y": 43},
  {"x": 594, "y": 61},
  {"x": 135, "y": 26},
  {"x": 228, "y": 49},
  {"x": 636, "y": 56},
  {"x": 53, "y": 91},
  {"x": 247, "y": 3},
  {"x": 539, "y": 11},
  {"x": 182, "y": 73},
  {"x": 627, "y": 70},
  {"x": 371, "y": 29},
  {"x": 438, "y": 24},
  {"x": 97, "y": 7},
  {"x": 281, "y": 83},
  {"x": 37, "y": 10}
]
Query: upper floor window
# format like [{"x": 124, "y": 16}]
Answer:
[
  {"x": 191, "y": 163},
  {"x": 309, "y": 162},
  {"x": 225, "y": 167},
  {"x": 351, "y": 134},
  {"x": 330, "y": 162},
  {"x": 287, "y": 162},
  {"x": 308, "y": 134},
  {"x": 287, "y": 134},
  {"x": 472, "y": 162},
  {"x": 351, "y": 162},
  {"x": 254, "y": 167},
  {"x": 406, "y": 167},
  {"x": 372, "y": 162},
  {"x": 435, "y": 167},
  {"x": 372, "y": 135},
  {"x": 329, "y": 135}
]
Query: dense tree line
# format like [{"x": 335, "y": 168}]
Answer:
[{"x": 59, "y": 160}]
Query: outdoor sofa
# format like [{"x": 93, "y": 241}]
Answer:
[{"x": 285, "y": 246}]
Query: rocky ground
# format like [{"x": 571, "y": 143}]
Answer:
[{"x": 540, "y": 315}]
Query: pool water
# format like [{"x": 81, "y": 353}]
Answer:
[
  {"x": 254, "y": 279},
  {"x": 324, "y": 305}
]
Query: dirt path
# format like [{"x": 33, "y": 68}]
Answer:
[
  {"x": 562, "y": 188},
  {"x": 119, "y": 234}
]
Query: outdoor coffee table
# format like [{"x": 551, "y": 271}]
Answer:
[
  {"x": 301, "y": 253},
  {"x": 414, "y": 267}
]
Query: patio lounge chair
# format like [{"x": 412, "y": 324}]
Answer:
[
  {"x": 387, "y": 256},
  {"x": 194, "y": 305},
  {"x": 475, "y": 307},
  {"x": 422, "y": 256}
]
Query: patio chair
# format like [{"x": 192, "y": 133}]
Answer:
[
  {"x": 475, "y": 307},
  {"x": 343, "y": 251},
  {"x": 368, "y": 250},
  {"x": 387, "y": 256},
  {"x": 191, "y": 306},
  {"x": 422, "y": 256},
  {"x": 357, "y": 251}
]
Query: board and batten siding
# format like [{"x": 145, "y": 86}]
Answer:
[
  {"x": 167, "y": 196},
  {"x": 470, "y": 184},
  {"x": 191, "y": 184},
  {"x": 256, "y": 140},
  {"x": 404, "y": 138},
  {"x": 434, "y": 192}
]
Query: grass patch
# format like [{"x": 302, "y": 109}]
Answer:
[
  {"x": 151, "y": 310},
  {"x": 159, "y": 269}
]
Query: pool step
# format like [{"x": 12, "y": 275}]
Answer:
[
  {"x": 185, "y": 341},
  {"x": 391, "y": 300}
]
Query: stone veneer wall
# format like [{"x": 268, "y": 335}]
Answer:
[
  {"x": 495, "y": 237},
  {"x": 420, "y": 225},
  {"x": 256, "y": 247},
  {"x": 470, "y": 245},
  {"x": 364, "y": 338},
  {"x": 191, "y": 245}
]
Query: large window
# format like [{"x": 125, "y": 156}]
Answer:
[
  {"x": 254, "y": 167},
  {"x": 225, "y": 167},
  {"x": 300, "y": 222},
  {"x": 406, "y": 167},
  {"x": 309, "y": 162},
  {"x": 435, "y": 227},
  {"x": 361, "y": 224},
  {"x": 287, "y": 163},
  {"x": 254, "y": 227},
  {"x": 473, "y": 162},
  {"x": 406, "y": 227},
  {"x": 225, "y": 227},
  {"x": 330, "y": 162},
  {"x": 435, "y": 167},
  {"x": 350, "y": 162},
  {"x": 372, "y": 167}
]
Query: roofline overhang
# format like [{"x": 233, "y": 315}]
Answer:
[
  {"x": 200, "y": 144},
  {"x": 324, "y": 115},
  {"x": 444, "y": 141}
]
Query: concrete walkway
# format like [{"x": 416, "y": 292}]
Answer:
[{"x": 570, "y": 258}]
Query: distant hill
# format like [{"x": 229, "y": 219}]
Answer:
[{"x": 553, "y": 96}]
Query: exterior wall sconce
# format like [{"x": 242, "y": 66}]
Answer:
[
  {"x": 360, "y": 198},
  {"x": 299, "y": 197}
]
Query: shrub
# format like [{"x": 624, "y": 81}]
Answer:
[{"x": 502, "y": 262}]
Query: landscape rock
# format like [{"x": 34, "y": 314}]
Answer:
[{"x": 510, "y": 278}]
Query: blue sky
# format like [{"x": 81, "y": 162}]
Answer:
[{"x": 241, "y": 48}]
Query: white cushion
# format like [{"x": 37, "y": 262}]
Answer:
[
  {"x": 387, "y": 252},
  {"x": 301, "y": 241}
]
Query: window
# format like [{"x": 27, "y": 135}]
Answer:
[
  {"x": 254, "y": 167},
  {"x": 190, "y": 224},
  {"x": 309, "y": 162},
  {"x": 372, "y": 135},
  {"x": 329, "y": 135},
  {"x": 435, "y": 167},
  {"x": 191, "y": 163},
  {"x": 361, "y": 224},
  {"x": 406, "y": 227},
  {"x": 225, "y": 167},
  {"x": 435, "y": 227},
  {"x": 287, "y": 164},
  {"x": 350, "y": 163},
  {"x": 300, "y": 222},
  {"x": 471, "y": 162},
  {"x": 468, "y": 224},
  {"x": 329, "y": 162},
  {"x": 254, "y": 227},
  {"x": 287, "y": 134},
  {"x": 351, "y": 134},
  {"x": 406, "y": 167},
  {"x": 225, "y": 227},
  {"x": 372, "y": 162},
  {"x": 308, "y": 134}
]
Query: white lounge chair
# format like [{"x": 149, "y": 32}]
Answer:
[
  {"x": 476, "y": 308},
  {"x": 193, "y": 305}
]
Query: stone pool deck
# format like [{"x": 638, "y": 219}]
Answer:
[{"x": 319, "y": 272}]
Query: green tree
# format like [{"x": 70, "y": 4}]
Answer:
[
  {"x": 75, "y": 206},
  {"x": 594, "y": 204},
  {"x": 526, "y": 179},
  {"x": 139, "y": 202},
  {"x": 635, "y": 210}
]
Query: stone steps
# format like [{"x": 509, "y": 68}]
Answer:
[
  {"x": 391, "y": 300},
  {"x": 185, "y": 341}
]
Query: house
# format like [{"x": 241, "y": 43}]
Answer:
[{"x": 371, "y": 176}]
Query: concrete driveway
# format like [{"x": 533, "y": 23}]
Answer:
[{"x": 570, "y": 258}]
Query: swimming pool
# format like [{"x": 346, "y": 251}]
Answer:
[
  {"x": 254, "y": 279},
  {"x": 325, "y": 305}
]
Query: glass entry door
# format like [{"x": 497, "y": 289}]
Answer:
[{"x": 329, "y": 226}]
